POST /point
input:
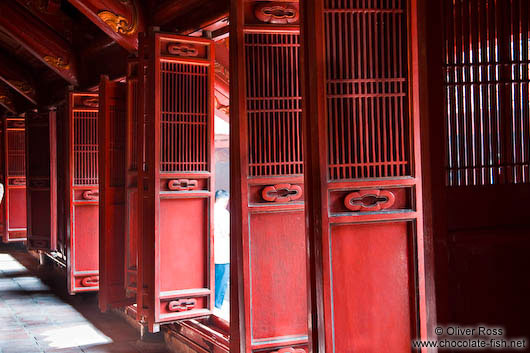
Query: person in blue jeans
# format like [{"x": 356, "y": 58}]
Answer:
[{"x": 221, "y": 246}]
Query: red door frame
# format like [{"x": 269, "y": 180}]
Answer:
[
  {"x": 82, "y": 193},
  {"x": 186, "y": 184},
  {"x": 112, "y": 191},
  {"x": 268, "y": 257},
  {"x": 15, "y": 185},
  {"x": 335, "y": 208},
  {"x": 41, "y": 175}
]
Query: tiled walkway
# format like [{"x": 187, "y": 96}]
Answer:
[{"x": 36, "y": 314}]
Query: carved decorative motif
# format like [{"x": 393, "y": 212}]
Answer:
[
  {"x": 290, "y": 350},
  {"x": 6, "y": 100},
  {"x": 56, "y": 62},
  {"x": 182, "y": 49},
  {"x": 277, "y": 13},
  {"x": 182, "y": 184},
  {"x": 369, "y": 200},
  {"x": 92, "y": 195},
  {"x": 224, "y": 108},
  {"x": 18, "y": 181},
  {"x": 118, "y": 23},
  {"x": 90, "y": 281},
  {"x": 281, "y": 193},
  {"x": 91, "y": 102},
  {"x": 23, "y": 86},
  {"x": 182, "y": 304},
  {"x": 222, "y": 72}
]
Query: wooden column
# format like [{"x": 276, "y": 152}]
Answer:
[
  {"x": 41, "y": 167},
  {"x": 112, "y": 216},
  {"x": 268, "y": 259},
  {"x": 175, "y": 190},
  {"x": 15, "y": 180},
  {"x": 363, "y": 169}
]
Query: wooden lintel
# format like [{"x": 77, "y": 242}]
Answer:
[
  {"x": 121, "y": 20},
  {"x": 39, "y": 40}
]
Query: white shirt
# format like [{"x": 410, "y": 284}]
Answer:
[{"x": 221, "y": 231}]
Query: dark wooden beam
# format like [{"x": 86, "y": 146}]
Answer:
[
  {"x": 15, "y": 76},
  {"x": 39, "y": 40},
  {"x": 49, "y": 12},
  {"x": 121, "y": 20}
]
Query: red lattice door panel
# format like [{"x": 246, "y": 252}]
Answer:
[
  {"x": 131, "y": 181},
  {"x": 175, "y": 252},
  {"x": 112, "y": 217},
  {"x": 82, "y": 225},
  {"x": 267, "y": 178},
  {"x": 364, "y": 208},
  {"x": 15, "y": 180},
  {"x": 41, "y": 166}
]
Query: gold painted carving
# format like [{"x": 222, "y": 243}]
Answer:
[
  {"x": 118, "y": 23},
  {"x": 57, "y": 62},
  {"x": 4, "y": 99},
  {"x": 23, "y": 86}
]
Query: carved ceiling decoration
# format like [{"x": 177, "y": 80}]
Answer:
[
  {"x": 119, "y": 23},
  {"x": 23, "y": 86},
  {"x": 57, "y": 62},
  {"x": 222, "y": 71}
]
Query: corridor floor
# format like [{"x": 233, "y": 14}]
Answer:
[{"x": 36, "y": 314}]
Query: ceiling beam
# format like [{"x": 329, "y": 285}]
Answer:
[
  {"x": 168, "y": 10},
  {"x": 39, "y": 40},
  {"x": 202, "y": 14},
  {"x": 15, "y": 76},
  {"x": 121, "y": 20},
  {"x": 49, "y": 12}
]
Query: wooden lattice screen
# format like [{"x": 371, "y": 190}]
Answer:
[
  {"x": 487, "y": 63},
  {"x": 273, "y": 109},
  {"x": 367, "y": 88},
  {"x": 85, "y": 146}
]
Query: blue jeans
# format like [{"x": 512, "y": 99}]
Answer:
[{"x": 222, "y": 273}]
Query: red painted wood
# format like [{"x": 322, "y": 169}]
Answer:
[
  {"x": 112, "y": 189},
  {"x": 41, "y": 166},
  {"x": 360, "y": 91},
  {"x": 13, "y": 75},
  {"x": 2, "y": 179},
  {"x": 175, "y": 252},
  {"x": 15, "y": 180},
  {"x": 268, "y": 263},
  {"x": 82, "y": 193},
  {"x": 131, "y": 181}
]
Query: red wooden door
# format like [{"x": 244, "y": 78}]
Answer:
[
  {"x": 82, "y": 192},
  {"x": 131, "y": 181},
  {"x": 362, "y": 163},
  {"x": 268, "y": 261},
  {"x": 175, "y": 252},
  {"x": 2, "y": 179},
  {"x": 112, "y": 217},
  {"x": 41, "y": 162},
  {"x": 15, "y": 180}
]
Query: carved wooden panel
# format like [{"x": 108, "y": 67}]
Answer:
[
  {"x": 176, "y": 197},
  {"x": 364, "y": 212},
  {"x": 15, "y": 180},
  {"x": 82, "y": 226},
  {"x": 41, "y": 165},
  {"x": 267, "y": 202},
  {"x": 112, "y": 193}
]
